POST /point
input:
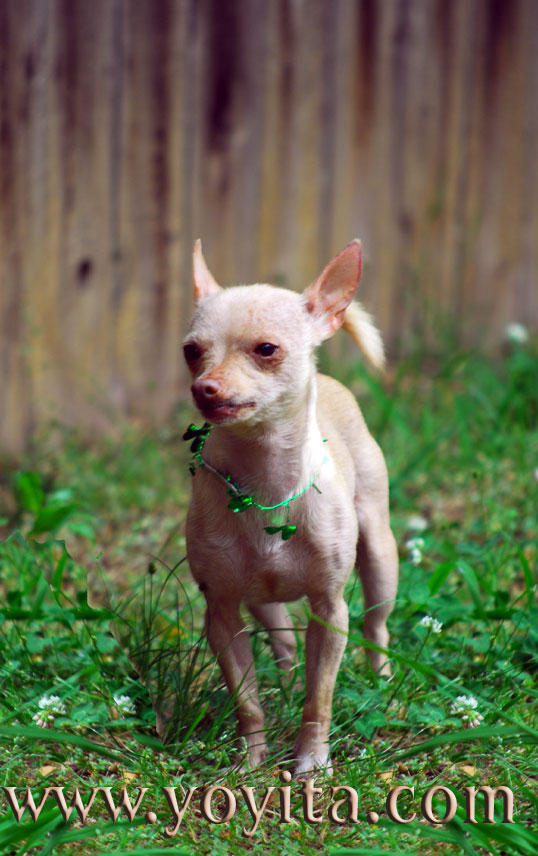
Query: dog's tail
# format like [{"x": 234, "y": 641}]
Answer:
[{"x": 360, "y": 326}]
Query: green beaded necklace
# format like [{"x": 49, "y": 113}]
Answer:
[{"x": 240, "y": 501}]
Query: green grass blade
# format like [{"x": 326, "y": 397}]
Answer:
[
  {"x": 49, "y": 735},
  {"x": 467, "y": 735}
]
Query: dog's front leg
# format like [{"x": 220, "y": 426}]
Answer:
[
  {"x": 326, "y": 638},
  {"x": 229, "y": 640}
]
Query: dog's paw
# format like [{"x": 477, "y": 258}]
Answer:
[{"x": 310, "y": 765}]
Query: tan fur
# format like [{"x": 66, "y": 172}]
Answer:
[{"x": 271, "y": 415}]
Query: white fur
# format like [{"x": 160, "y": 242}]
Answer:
[{"x": 359, "y": 324}]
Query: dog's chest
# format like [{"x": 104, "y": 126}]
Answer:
[
  {"x": 242, "y": 558},
  {"x": 234, "y": 556},
  {"x": 274, "y": 570}
]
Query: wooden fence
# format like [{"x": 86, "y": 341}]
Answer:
[{"x": 276, "y": 130}]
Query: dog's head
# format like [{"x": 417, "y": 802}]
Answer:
[{"x": 250, "y": 348}]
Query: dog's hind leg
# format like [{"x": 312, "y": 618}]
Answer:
[
  {"x": 275, "y": 618},
  {"x": 377, "y": 555},
  {"x": 377, "y": 560}
]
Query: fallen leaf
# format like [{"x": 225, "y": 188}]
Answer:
[
  {"x": 467, "y": 768},
  {"x": 47, "y": 769},
  {"x": 127, "y": 774},
  {"x": 387, "y": 776}
]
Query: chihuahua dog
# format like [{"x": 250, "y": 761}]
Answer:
[{"x": 292, "y": 450}]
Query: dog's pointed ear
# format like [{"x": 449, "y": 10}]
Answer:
[
  {"x": 203, "y": 280},
  {"x": 331, "y": 293}
]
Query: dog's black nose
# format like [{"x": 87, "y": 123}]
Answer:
[{"x": 205, "y": 388}]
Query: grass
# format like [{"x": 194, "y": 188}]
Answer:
[{"x": 460, "y": 438}]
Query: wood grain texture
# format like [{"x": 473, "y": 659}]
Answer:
[{"x": 275, "y": 131}]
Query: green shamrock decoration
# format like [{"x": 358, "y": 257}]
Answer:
[
  {"x": 286, "y": 531},
  {"x": 239, "y": 501}
]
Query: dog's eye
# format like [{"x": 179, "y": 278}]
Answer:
[
  {"x": 266, "y": 349},
  {"x": 192, "y": 352}
]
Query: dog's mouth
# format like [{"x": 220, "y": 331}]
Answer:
[{"x": 223, "y": 411}]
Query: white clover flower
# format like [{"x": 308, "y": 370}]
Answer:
[
  {"x": 414, "y": 545},
  {"x": 49, "y": 708},
  {"x": 429, "y": 621},
  {"x": 417, "y": 523},
  {"x": 52, "y": 703},
  {"x": 474, "y": 723},
  {"x": 463, "y": 703},
  {"x": 466, "y": 707},
  {"x": 124, "y": 704},
  {"x": 516, "y": 333}
]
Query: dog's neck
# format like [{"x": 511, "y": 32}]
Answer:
[{"x": 276, "y": 459}]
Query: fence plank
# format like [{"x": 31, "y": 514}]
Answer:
[{"x": 274, "y": 131}]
